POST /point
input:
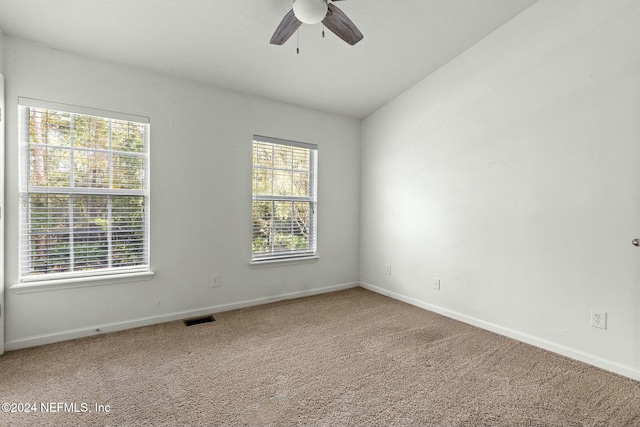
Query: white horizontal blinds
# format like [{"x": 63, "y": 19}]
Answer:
[
  {"x": 284, "y": 198},
  {"x": 84, "y": 193}
]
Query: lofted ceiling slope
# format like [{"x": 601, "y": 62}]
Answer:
[{"x": 225, "y": 43}]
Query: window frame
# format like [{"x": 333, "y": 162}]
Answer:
[
  {"x": 135, "y": 272},
  {"x": 290, "y": 256}
]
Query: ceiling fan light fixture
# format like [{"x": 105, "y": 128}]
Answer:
[{"x": 310, "y": 11}]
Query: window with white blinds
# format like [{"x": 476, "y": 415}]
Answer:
[
  {"x": 84, "y": 191},
  {"x": 284, "y": 199}
]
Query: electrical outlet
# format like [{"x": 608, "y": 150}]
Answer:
[
  {"x": 599, "y": 319},
  {"x": 387, "y": 269},
  {"x": 215, "y": 280},
  {"x": 436, "y": 284}
]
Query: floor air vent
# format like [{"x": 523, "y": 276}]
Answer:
[{"x": 199, "y": 320}]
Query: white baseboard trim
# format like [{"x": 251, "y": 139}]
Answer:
[
  {"x": 152, "y": 320},
  {"x": 569, "y": 352}
]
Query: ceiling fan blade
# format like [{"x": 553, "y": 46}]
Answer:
[
  {"x": 341, "y": 25},
  {"x": 287, "y": 27}
]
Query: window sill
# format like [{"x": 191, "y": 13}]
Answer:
[
  {"x": 80, "y": 282},
  {"x": 283, "y": 261}
]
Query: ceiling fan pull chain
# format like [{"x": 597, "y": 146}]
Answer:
[
  {"x": 298, "y": 43},
  {"x": 322, "y": 30}
]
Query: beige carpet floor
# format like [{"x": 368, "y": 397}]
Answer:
[{"x": 349, "y": 358}]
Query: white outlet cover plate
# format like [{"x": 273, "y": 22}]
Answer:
[
  {"x": 215, "y": 280},
  {"x": 599, "y": 319}
]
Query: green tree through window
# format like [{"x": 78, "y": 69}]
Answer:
[
  {"x": 284, "y": 199},
  {"x": 84, "y": 192}
]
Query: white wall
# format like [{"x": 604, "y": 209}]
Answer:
[
  {"x": 2, "y": 138},
  {"x": 200, "y": 198},
  {"x": 1, "y": 51},
  {"x": 513, "y": 175}
]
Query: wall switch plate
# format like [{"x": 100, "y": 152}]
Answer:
[
  {"x": 599, "y": 319},
  {"x": 387, "y": 269},
  {"x": 436, "y": 284},
  {"x": 215, "y": 280}
]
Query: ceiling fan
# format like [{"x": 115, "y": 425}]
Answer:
[{"x": 314, "y": 12}]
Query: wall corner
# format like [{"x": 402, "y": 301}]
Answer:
[{"x": 2, "y": 48}]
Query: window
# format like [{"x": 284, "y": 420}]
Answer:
[
  {"x": 284, "y": 199},
  {"x": 84, "y": 192}
]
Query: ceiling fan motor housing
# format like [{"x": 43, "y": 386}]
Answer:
[{"x": 310, "y": 11}]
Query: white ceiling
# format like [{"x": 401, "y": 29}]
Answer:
[{"x": 226, "y": 43}]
